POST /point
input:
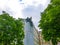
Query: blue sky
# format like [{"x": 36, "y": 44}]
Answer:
[{"x": 24, "y": 8}]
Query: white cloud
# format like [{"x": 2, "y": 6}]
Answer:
[
  {"x": 12, "y": 5},
  {"x": 24, "y": 8},
  {"x": 3, "y": 3},
  {"x": 16, "y": 6},
  {"x": 34, "y": 2},
  {"x": 34, "y": 8}
]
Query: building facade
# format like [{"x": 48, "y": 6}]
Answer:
[
  {"x": 43, "y": 42},
  {"x": 31, "y": 33}
]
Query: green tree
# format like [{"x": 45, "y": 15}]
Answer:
[
  {"x": 50, "y": 22},
  {"x": 11, "y": 30}
]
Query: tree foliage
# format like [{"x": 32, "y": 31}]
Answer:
[
  {"x": 50, "y": 22},
  {"x": 11, "y": 30}
]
